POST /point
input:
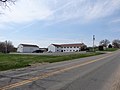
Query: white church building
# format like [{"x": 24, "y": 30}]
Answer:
[
  {"x": 66, "y": 47},
  {"x": 26, "y": 48}
]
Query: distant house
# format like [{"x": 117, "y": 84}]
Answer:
[
  {"x": 26, "y": 48},
  {"x": 66, "y": 47}
]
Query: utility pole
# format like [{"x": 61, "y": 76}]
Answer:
[
  {"x": 6, "y": 46},
  {"x": 93, "y": 43}
]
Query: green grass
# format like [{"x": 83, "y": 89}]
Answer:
[
  {"x": 111, "y": 49},
  {"x": 11, "y": 61}
]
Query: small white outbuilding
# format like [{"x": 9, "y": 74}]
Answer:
[{"x": 26, "y": 48}]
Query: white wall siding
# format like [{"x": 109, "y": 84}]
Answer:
[
  {"x": 58, "y": 49},
  {"x": 29, "y": 49},
  {"x": 26, "y": 49},
  {"x": 51, "y": 48},
  {"x": 69, "y": 49},
  {"x": 20, "y": 49}
]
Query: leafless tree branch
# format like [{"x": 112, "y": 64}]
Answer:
[{"x": 6, "y": 3}]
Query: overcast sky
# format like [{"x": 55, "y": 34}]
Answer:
[{"x": 43, "y": 22}]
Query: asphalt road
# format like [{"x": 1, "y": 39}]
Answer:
[{"x": 100, "y": 72}]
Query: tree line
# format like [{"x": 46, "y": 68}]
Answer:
[
  {"x": 6, "y": 47},
  {"x": 106, "y": 43}
]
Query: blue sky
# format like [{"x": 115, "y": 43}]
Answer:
[{"x": 43, "y": 22}]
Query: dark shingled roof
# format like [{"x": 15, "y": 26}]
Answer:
[{"x": 28, "y": 45}]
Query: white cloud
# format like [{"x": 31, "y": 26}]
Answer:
[
  {"x": 115, "y": 21},
  {"x": 85, "y": 10},
  {"x": 102, "y": 9},
  {"x": 25, "y": 11},
  {"x": 58, "y": 10}
]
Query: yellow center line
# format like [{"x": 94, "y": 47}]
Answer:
[{"x": 48, "y": 74}]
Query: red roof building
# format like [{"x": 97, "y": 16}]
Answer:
[{"x": 66, "y": 47}]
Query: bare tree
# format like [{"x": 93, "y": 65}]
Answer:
[
  {"x": 104, "y": 43},
  {"x": 10, "y": 46},
  {"x": 6, "y": 47},
  {"x": 116, "y": 43},
  {"x": 6, "y": 3},
  {"x": 2, "y": 47}
]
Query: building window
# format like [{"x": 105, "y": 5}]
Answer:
[
  {"x": 67, "y": 47},
  {"x": 64, "y": 50},
  {"x": 64, "y": 47},
  {"x": 70, "y": 47},
  {"x": 74, "y": 47}
]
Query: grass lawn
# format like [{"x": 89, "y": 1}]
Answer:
[
  {"x": 11, "y": 61},
  {"x": 111, "y": 49}
]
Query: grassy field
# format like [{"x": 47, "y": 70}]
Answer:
[
  {"x": 11, "y": 61},
  {"x": 111, "y": 49}
]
